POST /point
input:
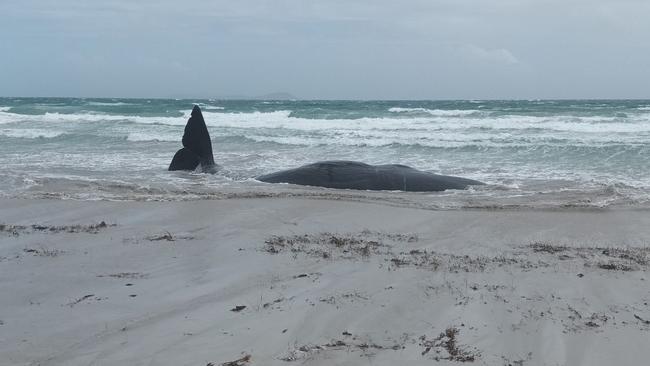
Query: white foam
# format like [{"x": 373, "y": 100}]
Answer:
[
  {"x": 49, "y": 117},
  {"x": 30, "y": 133},
  {"x": 283, "y": 119},
  {"x": 109, "y": 104},
  {"x": 210, "y": 106},
  {"x": 436, "y": 112},
  {"x": 6, "y": 117},
  {"x": 438, "y": 141},
  {"x": 151, "y": 136}
]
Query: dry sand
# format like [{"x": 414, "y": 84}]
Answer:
[{"x": 296, "y": 281}]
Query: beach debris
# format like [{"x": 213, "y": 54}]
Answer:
[
  {"x": 418, "y": 258},
  {"x": 574, "y": 321},
  {"x": 646, "y": 322},
  {"x": 127, "y": 275},
  {"x": 613, "y": 266},
  {"x": 348, "y": 297},
  {"x": 597, "y": 320},
  {"x": 44, "y": 252},
  {"x": 276, "y": 301},
  {"x": 623, "y": 258},
  {"x": 333, "y": 245},
  {"x": 11, "y": 229},
  {"x": 366, "y": 243},
  {"x": 306, "y": 351},
  {"x": 574, "y": 314},
  {"x": 447, "y": 342},
  {"x": 543, "y": 247},
  {"x": 399, "y": 262},
  {"x": 519, "y": 362},
  {"x": 75, "y": 302},
  {"x": 16, "y": 230},
  {"x": 238, "y": 308},
  {"x": 238, "y": 362},
  {"x": 437, "y": 261},
  {"x": 166, "y": 236}
]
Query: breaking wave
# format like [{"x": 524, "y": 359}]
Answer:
[
  {"x": 436, "y": 112},
  {"x": 30, "y": 133},
  {"x": 537, "y": 153},
  {"x": 284, "y": 119}
]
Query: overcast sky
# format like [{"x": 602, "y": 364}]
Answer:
[{"x": 326, "y": 49}]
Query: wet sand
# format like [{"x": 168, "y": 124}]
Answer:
[{"x": 282, "y": 281}]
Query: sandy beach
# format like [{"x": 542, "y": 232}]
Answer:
[
  {"x": 324, "y": 183},
  {"x": 319, "y": 282}
]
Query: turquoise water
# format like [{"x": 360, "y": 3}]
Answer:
[{"x": 531, "y": 153}]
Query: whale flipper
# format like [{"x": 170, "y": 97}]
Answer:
[
  {"x": 197, "y": 146},
  {"x": 185, "y": 159}
]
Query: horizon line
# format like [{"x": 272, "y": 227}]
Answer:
[{"x": 334, "y": 99}]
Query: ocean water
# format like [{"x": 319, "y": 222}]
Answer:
[{"x": 550, "y": 154}]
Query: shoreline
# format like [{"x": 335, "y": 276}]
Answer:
[
  {"x": 320, "y": 282},
  {"x": 429, "y": 201}
]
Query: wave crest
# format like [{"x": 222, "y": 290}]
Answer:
[
  {"x": 436, "y": 112},
  {"x": 30, "y": 133}
]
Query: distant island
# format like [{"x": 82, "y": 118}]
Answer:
[{"x": 269, "y": 96}]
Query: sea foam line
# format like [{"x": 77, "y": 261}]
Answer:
[
  {"x": 283, "y": 119},
  {"x": 108, "y": 104},
  {"x": 436, "y": 112},
  {"x": 30, "y": 133}
]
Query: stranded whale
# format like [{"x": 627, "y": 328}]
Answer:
[
  {"x": 197, "y": 152},
  {"x": 355, "y": 175},
  {"x": 197, "y": 146}
]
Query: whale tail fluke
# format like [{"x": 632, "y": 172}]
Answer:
[
  {"x": 185, "y": 159},
  {"x": 197, "y": 146}
]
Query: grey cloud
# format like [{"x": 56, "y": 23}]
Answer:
[
  {"x": 327, "y": 49},
  {"x": 499, "y": 55}
]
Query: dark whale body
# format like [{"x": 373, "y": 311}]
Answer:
[
  {"x": 356, "y": 175},
  {"x": 197, "y": 153},
  {"x": 197, "y": 146}
]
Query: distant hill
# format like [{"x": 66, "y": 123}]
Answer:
[{"x": 270, "y": 96}]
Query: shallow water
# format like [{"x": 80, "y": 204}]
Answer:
[{"x": 531, "y": 153}]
